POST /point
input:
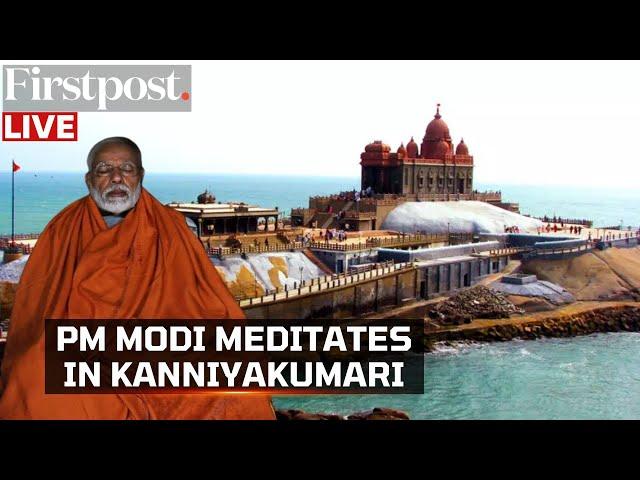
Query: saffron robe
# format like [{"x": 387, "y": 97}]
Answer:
[{"x": 149, "y": 266}]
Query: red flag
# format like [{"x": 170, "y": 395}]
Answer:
[{"x": 16, "y": 167}]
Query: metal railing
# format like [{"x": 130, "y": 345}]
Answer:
[
  {"x": 541, "y": 252},
  {"x": 320, "y": 284}
]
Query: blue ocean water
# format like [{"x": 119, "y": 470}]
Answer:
[
  {"x": 40, "y": 195},
  {"x": 590, "y": 377},
  {"x": 39, "y": 198}
]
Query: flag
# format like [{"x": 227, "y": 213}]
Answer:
[{"x": 16, "y": 167}]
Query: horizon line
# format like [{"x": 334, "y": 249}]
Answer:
[{"x": 313, "y": 175}]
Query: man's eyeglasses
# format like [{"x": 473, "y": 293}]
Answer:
[{"x": 106, "y": 169}]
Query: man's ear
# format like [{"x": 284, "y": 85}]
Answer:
[
  {"x": 141, "y": 175},
  {"x": 86, "y": 179}
]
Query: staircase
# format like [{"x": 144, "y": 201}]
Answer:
[
  {"x": 316, "y": 261},
  {"x": 327, "y": 220}
]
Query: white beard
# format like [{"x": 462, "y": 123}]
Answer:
[{"x": 118, "y": 204}]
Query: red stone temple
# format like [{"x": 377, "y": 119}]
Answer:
[
  {"x": 432, "y": 172},
  {"x": 432, "y": 169}
]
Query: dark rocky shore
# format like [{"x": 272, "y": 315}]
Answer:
[
  {"x": 375, "y": 414},
  {"x": 561, "y": 324}
]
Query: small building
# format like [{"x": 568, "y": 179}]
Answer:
[{"x": 216, "y": 218}]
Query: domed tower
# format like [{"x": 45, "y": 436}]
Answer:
[
  {"x": 412, "y": 149},
  {"x": 402, "y": 152},
  {"x": 437, "y": 131},
  {"x": 379, "y": 168},
  {"x": 377, "y": 147},
  {"x": 462, "y": 148}
]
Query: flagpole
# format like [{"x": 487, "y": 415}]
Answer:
[{"x": 13, "y": 199}]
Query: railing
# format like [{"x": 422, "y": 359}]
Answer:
[
  {"x": 14, "y": 247},
  {"x": 324, "y": 283},
  {"x": 507, "y": 251},
  {"x": 619, "y": 236},
  {"x": 402, "y": 240},
  {"x": 222, "y": 251},
  {"x": 571, "y": 221},
  {"x": 20, "y": 236},
  {"x": 358, "y": 215},
  {"x": 320, "y": 203},
  {"x": 538, "y": 252}
]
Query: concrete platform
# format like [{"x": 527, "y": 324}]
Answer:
[{"x": 519, "y": 279}]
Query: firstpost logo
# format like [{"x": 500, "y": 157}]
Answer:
[{"x": 40, "y": 102}]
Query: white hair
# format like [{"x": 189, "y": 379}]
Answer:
[{"x": 118, "y": 204}]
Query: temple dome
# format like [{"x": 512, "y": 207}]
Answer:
[
  {"x": 462, "y": 148},
  {"x": 377, "y": 146},
  {"x": 412, "y": 149},
  {"x": 401, "y": 150},
  {"x": 440, "y": 149},
  {"x": 437, "y": 128}
]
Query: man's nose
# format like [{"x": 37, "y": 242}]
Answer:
[{"x": 116, "y": 177}]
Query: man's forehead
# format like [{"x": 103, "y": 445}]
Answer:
[{"x": 115, "y": 153}]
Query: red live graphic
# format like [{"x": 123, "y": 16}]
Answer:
[{"x": 39, "y": 126}]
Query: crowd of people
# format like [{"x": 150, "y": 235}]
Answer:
[
  {"x": 562, "y": 220},
  {"x": 333, "y": 234},
  {"x": 573, "y": 229},
  {"x": 349, "y": 196},
  {"x": 306, "y": 239},
  {"x": 577, "y": 230}
]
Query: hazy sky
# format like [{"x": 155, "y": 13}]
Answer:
[{"x": 529, "y": 122}]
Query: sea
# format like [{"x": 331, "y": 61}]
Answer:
[
  {"x": 590, "y": 377},
  {"x": 40, "y": 195}
]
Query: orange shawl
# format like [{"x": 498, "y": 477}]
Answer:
[{"x": 150, "y": 265}]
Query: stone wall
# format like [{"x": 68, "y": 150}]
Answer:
[
  {"x": 435, "y": 280},
  {"x": 419, "y": 254},
  {"x": 348, "y": 301},
  {"x": 381, "y": 293}
]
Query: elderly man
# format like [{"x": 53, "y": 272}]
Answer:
[{"x": 116, "y": 253}]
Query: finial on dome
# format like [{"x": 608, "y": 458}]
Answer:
[{"x": 437, "y": 115}]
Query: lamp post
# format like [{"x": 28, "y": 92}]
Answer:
[{"x": 301, "y": 269}]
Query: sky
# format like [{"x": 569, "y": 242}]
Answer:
[{"x": 525, "y": 122}]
